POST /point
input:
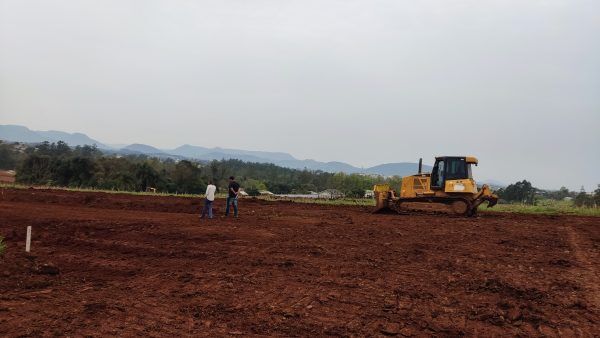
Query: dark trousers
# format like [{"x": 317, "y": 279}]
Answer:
[
  {"x": 230, "y": 201},
  {"x": 207, "y": 208}
]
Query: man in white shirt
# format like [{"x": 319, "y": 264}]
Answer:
[{"x": 209, "y": 199}]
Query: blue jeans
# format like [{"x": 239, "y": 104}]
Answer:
[
  {"x": 207, "y": 208},
  {"x": 230, "y": 201}
]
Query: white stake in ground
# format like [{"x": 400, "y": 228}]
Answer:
[{"x": 28, "y": 241}]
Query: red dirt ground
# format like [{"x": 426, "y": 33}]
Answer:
[{"x": 144, "y": 265}]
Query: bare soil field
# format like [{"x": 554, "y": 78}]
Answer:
[{"x": 115, "y": 264}]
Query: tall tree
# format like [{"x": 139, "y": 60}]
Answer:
[
  {"x": 522, "y": 192},
  {"x": 146, "y": 177}
]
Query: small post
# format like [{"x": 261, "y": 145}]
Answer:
[
  {"x": 420, "y": 165},
  {"x": 28, "y": 241}
]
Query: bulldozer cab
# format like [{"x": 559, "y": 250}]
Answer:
[{"x": 451, "y": 168}]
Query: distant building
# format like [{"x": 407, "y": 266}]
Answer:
[
  {"x": 265, "y": 193},
  {"x": 7, "y": 176},
  {"x": 331, "y": 194},
  {"x": 369, "y": 194}
]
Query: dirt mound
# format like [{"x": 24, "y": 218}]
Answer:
[{"x": 116, "y": 264}]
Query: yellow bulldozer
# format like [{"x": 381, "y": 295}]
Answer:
[{"x": 450, "y": 185}]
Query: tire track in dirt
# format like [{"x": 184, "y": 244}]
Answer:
[{"x": 588, "y": 275}]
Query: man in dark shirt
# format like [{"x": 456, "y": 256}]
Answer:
[{"x": 232, "y": 197}]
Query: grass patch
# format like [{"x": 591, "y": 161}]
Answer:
[
  {"x": 545, "y": 207},
  {"x": 125, "y": 192},
  {"x": 366, "y": 202}
]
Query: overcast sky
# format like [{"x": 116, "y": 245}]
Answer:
[{"x": 515, "y": 83}]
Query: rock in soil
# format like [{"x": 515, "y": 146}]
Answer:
[
  {"x": 391, "y": 329},
  {"x": 48, "y": 269}
]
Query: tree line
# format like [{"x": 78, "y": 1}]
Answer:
[
  {"x": 57, "y": 164},
  {"x": 524, "y": 192}
]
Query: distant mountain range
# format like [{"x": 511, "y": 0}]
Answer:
[
  {"x": 15, "y": 133},
  {"x": 25, "y": 135}
]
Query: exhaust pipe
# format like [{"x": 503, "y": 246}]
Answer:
[{"x": 420, "y": 165}]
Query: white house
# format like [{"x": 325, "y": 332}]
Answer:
[{"x": 331, "y": 194}]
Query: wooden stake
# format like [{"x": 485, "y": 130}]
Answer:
[{"x": 28, "y": 241}]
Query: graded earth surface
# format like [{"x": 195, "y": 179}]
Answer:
[{"x": 134, "y": 265}]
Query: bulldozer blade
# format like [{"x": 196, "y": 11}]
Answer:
[{"x": 492, "y": 201}]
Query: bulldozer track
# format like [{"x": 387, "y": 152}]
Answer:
[{"x": 428, "y": 203}]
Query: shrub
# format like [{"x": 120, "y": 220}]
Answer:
[
  {"x": 584, "y": 200},
  {"x": 253, "y": 191}
]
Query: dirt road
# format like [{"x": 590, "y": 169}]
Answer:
[{"x": 106, "y": 264}]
